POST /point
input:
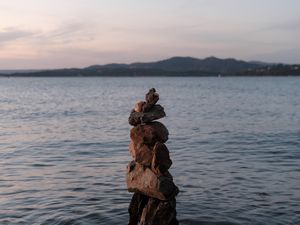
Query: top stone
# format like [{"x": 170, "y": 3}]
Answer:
[
  {"x": 147, "y": 111},
  {"x": 151, "y": 99}
]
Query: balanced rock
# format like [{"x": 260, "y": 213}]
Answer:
[
  {"x": 137, "y": 117},
  {"x": 151, "y": 99},
  {"x": 142, "y": 180},
  {"x": 161, "y": 161},
  {"x": 149, "y": 133},
  {"x": 132, "y": 150},
  {"x": 141, "y": 153},
  {"x": 159, "y": 212},
  {"x": 153, "y": 201},
  {"x": 150, "y": 211},
  {"x": 137, "y": 204},
  {"x": 138, "y": 107}
]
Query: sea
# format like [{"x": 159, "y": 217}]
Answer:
[{"x": 234, "y": 143}]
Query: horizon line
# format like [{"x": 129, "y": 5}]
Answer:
[{"x": 134, "y": 62}]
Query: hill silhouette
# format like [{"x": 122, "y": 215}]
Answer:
[{"x": 175, "y": 66}]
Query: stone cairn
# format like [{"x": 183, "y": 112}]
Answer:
[{"x": 153, "y": 201}]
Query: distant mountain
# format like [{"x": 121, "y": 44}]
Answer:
[
  {"x": 211, "y": 64},
  {"x": 175, "y": 66},
  {"x": 262, "y": 63},
  {"x": 180, "y": 64},
  {"x": 108, "y": 66}
]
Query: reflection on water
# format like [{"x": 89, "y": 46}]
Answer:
[{"x": 234, "y": 143}]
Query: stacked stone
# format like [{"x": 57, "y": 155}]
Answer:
[{"x": 153, "y": 202}]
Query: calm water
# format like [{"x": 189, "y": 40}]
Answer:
[{"x": 235, "y": 145}]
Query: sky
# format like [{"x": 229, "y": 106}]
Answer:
[{"x": 42, "y": 34}]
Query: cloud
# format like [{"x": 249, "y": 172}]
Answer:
[
  {"x": 288, "y": 25},
  {"x": 64, "y": 33},
  {"x": 67, "y": 30},
  {"x": 65, "y": 58},
  {"x": 11, "y": 34}
]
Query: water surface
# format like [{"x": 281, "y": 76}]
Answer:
[{"x": 234, "y": 142}]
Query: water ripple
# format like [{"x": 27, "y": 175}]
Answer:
[{"x": 234, "y": 144}]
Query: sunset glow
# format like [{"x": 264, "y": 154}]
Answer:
[{"x": 77, "y": 33}]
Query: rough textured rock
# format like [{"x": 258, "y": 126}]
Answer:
[
  {"x": 143, "y": 155},
  {"x": 149, "y": 133},
  {"x": 159, "y": 212},
  {"x": 161, "y": 161},
  {"x": 142, "y": 180},
  {"x": 155, "y": 113},
  {"x": 132, "y": 150},
  {"x": 151, "y": 99},
  {"x": 144, "y": 210},
  {"x": 135, "y": 210},
  {"x": 138, "y": 107},
  {"x": 153, "y": 201}
]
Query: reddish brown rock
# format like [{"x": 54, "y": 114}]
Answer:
[
  {"x": 144, "y": 155},
  {"x": 142, "y": 180},
  {"x": 149, "y": 133},
  {"x": 155, "y": 113},
  {"x": 138, "y": 107},
  {"x": 161, "y": 161},
  {"x": 132, "y": 150}
]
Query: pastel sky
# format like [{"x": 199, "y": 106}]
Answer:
[{"x": 78, "y": 33}]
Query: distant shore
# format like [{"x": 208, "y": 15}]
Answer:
[
  {"x": 173, "y": 67},
  {"x": 124, "y": 76}
]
